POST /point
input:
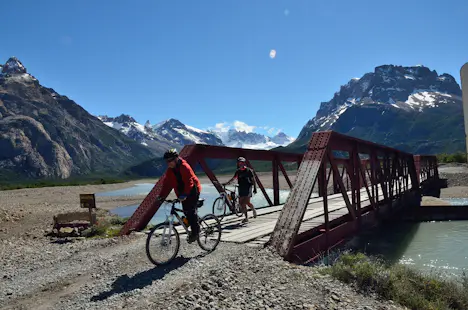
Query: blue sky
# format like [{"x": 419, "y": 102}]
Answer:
[{"x": 207, "y": 62}]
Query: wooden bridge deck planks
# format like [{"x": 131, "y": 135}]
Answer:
[{"x": 257, "y": 232}]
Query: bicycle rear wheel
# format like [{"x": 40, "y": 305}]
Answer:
[
  {"x": 219, "y": 207},
  {"x": 162, "y": 245},
  {"x": 210, "y": 232}
]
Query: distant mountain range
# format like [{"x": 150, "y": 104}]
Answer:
[
  {"x": 46, "y": 135},
  {"x": 172, "y": 132}
]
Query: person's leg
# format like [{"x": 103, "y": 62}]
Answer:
[
  {"x": 251, "y": 206},
  {"x": 247, "y": 201},
  {"x": 189, "y": 206},
  {"x": 243, "y": 203}
]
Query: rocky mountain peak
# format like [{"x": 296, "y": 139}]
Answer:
[
  {"x": 13, "y": 66},
  {"x": 389, "y": 84}
]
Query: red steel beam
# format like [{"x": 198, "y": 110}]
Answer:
[
  {"x": 285, "y": 174},
  {"x": 193, "y": 154},
  {"x": 275, "y": 171},
  {"x": 257, "y": 179},
  {"x": 150, "y": 205},
  {"x": 387, "y": 172}
]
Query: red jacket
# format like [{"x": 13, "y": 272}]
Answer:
[{"x": 188, "y": 178}]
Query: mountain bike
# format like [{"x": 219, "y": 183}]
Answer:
[
  {"x": 209, "y": 224},
  {"x": 219, "y": 205}
]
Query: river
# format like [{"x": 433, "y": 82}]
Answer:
[{"x": 428, "y": 246}]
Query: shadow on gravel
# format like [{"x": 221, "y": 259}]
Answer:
[{"x": 140, "y": 280}]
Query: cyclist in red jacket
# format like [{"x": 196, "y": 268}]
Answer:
[{"x": 187, "y": 187}]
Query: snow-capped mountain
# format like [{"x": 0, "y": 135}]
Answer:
[
  {"x": 252, "y": 140},
  {"x": 412, "y": 108},
  {"x": 138, "y": 132},
  {"x": 167, "y": 134},
  {"x": 174, "y": 130},
  {"x": 175, "y": 133}
]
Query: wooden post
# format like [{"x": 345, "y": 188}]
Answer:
[{"x": 88, "y": 201}]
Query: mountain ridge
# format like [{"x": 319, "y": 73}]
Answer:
[
  {"x": 46, "y": 135},
  {"x": 404, "y": 107}
]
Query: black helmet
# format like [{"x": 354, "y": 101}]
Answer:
[
  {"x": 242, "y": 159},
  {"x": 170, "y": 154}
]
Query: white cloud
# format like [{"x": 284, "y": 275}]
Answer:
[
  {"x": 224, "y": 127},
  {"x": 241, "y": 126}
]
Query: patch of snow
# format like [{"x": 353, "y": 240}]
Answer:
[
  {"x": 23, "y": 77},
  {"x": 391, "y": 101},
  {"x": 144, "y": 143},
  {"x": 355, "y": 79},
  {"x": 396, "y": 106},
  {"x": 442, "y": 78},
  {"x": 139, "y": 127},
  {"x": 409, "y": 77},
  {"x": 196, "y": 129},
  {"x": 190, "y": 136},
  {"x": 425, "y": 99},
  {"x": 342, "y": 109},
  {"x": 159, "y": 124}
]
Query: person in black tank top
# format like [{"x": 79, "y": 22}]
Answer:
[{"x": 246, "y": 180}]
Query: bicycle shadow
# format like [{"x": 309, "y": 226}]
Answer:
[{"x": 124, "y": 283}]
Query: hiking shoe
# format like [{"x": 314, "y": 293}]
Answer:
[{"x": 192, "y": 238}]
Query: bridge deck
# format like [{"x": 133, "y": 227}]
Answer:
[{"x": 257, "y": 231}]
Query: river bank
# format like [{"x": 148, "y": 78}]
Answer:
[{"x": 114, "y": 273}]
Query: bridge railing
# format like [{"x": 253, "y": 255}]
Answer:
[
  {"x": 198, "y": 154},
  {"x": 371, "y": 175},
  {"x": 426, "y": 167}
]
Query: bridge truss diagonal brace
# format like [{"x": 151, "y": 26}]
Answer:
[{"x": 291, "y": 215}]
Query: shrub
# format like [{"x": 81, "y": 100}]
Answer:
[{"x": 400, "y": 283}]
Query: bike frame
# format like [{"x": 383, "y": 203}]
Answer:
[
  {"x": 226, "y": 199},
  {"x": 170, "y": 219}
]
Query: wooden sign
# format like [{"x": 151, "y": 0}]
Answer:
[{"x": 88, "y": 201}]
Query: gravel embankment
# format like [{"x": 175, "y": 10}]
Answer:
[
  {"x": 457, "y": 180},
  {"x": 115, "y": 274},
  {"x": 39, "y": 273}
]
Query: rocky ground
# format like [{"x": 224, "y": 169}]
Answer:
[
  {"x": 41, "y": 273},
  {"x": 115, "y": 274},
  {"x": 457, "y": 180}
]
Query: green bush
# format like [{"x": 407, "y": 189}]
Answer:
[
  {"x": 452, "y": 158},
  {"x": 400, "y": 283}
]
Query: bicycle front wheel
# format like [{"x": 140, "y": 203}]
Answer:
[
  {"x": 210, "y": 232},
  {"x": 219, "y": 207},
  {"x": 238, "y": 208},
  {"x": 162, "y": 245}
]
